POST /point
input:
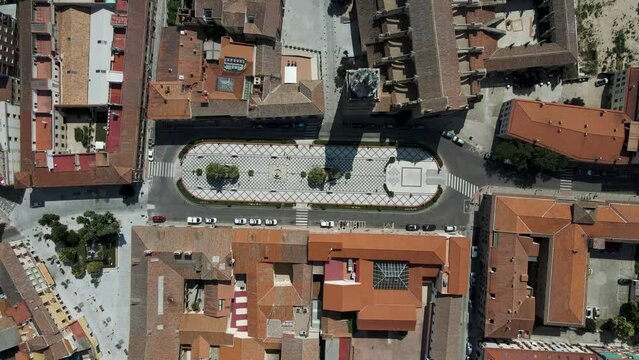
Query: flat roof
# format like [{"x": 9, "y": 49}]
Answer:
[{"x": 100, "y": 39}]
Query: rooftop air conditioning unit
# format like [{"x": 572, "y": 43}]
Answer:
[
  {"x": 181, "y": 77},
  {"x": 257, "y": 80}
]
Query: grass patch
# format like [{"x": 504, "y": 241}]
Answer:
[
  {"x": 172, "y": 10},
  {"x": 100, "y": 131},
  {"x": 423, "y": 206},
  {"x": 188, "y": 196}
]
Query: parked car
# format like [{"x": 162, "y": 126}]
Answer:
[
  {"x": 327, "y": 223},
  {"x": 450, "y": 228},
  {"x": 255, "y": 222},
  {"x": 37, "y": 204},
  {"x": 623, "y": 281},
  {"x": 473, "y": 251},
  {"x": 589, "y": 312},
  {"x": 448, "y": 134},
  {"x": 458, "y": 141},
  {"x": 151, "y": 151},
  {"x": 601, "y": 82},
  {"x": 239, "y": 221},
  {"x": 193, "y": 220},
  {"x": 469, "y": 348},
  {"x": 210, "y": 221},
  {"x": 158, "y": 218},
  {"x": 429, "y": 227},
  {"x": 473, "y": 279},
  {"x": 270, "y": 222},
  {"x": 412, "y": 227},
  {"x": 596, "y": 311}
]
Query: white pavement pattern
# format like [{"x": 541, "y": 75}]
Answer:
[
  {"x": 565, "y": 180},
  {"x": 461, "y": 185},
  {"x": 365, "y": 187},
  {"x": 161, "y": 169}
]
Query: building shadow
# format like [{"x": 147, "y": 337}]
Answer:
[{"x": 106, "y": 193}]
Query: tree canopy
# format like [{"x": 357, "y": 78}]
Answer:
[
  {"x": 216, "y": 172},
  {"x": 621, "y": 327},
  {"x": 68, "y": 255},
  {"x": 527, "y": 157},
  {"x": 98, "y": 227},
  {"x": 94, "y": 268},
  {"x": 316, "y": 177},
  {"x": 48, "y": 219}
]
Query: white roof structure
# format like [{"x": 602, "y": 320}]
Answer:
[
  {"x": 100, "y": 38},
  {"x": 290, "y": 75}
]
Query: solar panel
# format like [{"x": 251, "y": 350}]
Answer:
[{"x": 390, "y": 275}]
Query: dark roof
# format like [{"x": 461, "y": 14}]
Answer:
[{"x": 446, "y": 332}]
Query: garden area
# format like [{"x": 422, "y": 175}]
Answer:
[{"x": 88, "y": 249}]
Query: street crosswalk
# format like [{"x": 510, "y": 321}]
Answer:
[
  {"x": 161, "y": 169},
  {"x": 565, "y": 180},
  {"x": 301, "y": 216},
  {"x": 461, "y": 185}
]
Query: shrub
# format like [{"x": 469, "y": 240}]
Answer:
[
  {"x": 198, "y": 172},
  {"x": 347, "y": 175},
  {"x": 591, "y": 325},
  {"x": 303, "y": 174},
  {"x": 251, "y": 173},
  {"x": 316, "y": 177},
  {"x": 94, "y": 268},
  {"x": 48, "y": 219}
]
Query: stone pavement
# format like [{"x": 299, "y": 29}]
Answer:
[{"x": 277, "y": 174}]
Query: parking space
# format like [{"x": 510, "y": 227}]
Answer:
[{"x": 603, "y": 288}]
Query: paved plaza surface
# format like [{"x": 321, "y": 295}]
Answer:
[{"x": 277, "y": 174}]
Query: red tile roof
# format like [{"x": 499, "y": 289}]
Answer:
[
  {"x": 426, "y": 255},
  {"x": 581, "y": 133}
]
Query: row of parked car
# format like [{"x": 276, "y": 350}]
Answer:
[{"x": 429, "y": 227}]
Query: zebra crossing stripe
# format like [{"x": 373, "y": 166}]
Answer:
[{"x": 461, "y": 185}]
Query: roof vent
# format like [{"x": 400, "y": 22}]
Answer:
[
  {"x": 602, "y": 113},
  {"x": 541, "y": 104},
  {"x": 585, "y": 134},
  {"x": 558, "y": 130},
  {"x": 549, "y": 121},
  {"x": 560, "y": 122},
  {"x": 585, "y": 126}
]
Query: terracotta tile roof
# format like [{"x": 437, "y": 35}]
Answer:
[
  {"x": 582, "y": 133},
  {"x": 510, "y": 302},
  {"x": 167, "y": 101},
  {"x": 303, "y": 99},
  {"x": 300, "y": 348},
  {"x": 159, "y": 330},
  {"x": 73, "y": 34},
  {"x": 168, "y": 55},
  {"x": 506, "y": 353},
  {"x": 14, "y": 277},
  {"x": 446, "y": 333},
  {"x": 567, "y": 238},
  {"x": 631, "y": 106},
  {"x": 19, "y": 313},
  {"x": 243, "y": 348},
  {"x": 427, "y": 256},
  {"x": 118, "y": 166}
]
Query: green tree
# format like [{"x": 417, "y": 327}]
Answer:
[
  {"x": 68, "y": 255},
  {"x": 98, "y": 227},
  {"x": 621, "y": 327},
  {"x": 72, "y": 239},
  {"x": 630, "y": 311},
  {"x": 528, "y": 157},
  {"x": 216, "y": 172},
  {"x": 316, "y": 177},
  {"x": 59, "y": 233},
  {"x": 78, "y": 270},
  {"x": 591, "y": 325},
  {"x": 48, "y": 219},
  {"x": 94, "y": 268}
]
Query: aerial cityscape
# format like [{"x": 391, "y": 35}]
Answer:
[{"x": 319, "y": 179}]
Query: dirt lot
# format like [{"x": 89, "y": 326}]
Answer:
[{"x": 608, "y": 34}]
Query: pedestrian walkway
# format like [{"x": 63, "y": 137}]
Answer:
[
  {"x": 461, "y": 185},
  {"x": 301, "y": 216},
  {"x": 160, "y": 169},
  {"x": 565, "y": 180}
]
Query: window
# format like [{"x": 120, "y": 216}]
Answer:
[
  {"x": 208, "y": 13},
  {"x": 390, "y": 275},
  {"x": 250, "y": 19},
  {"x": 220, "y": 305}
]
